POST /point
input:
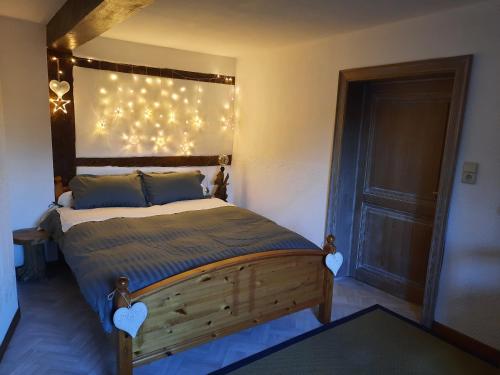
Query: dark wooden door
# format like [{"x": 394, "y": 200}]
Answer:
[{"x": 401, "y": 146}]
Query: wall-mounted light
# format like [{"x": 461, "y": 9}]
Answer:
[
  {"x": 59, "y": 88},
  {"x": 155, "y": 115}
]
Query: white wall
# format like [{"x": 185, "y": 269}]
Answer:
[
  {"x": 157, "y": 116},
  {"x": 142, "y": 54},
  {"x": 23, "y": 73},
  {"x": 283, "y": 144},
  {"x": 8, "y": 290}
]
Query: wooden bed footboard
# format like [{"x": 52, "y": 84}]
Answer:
[{"x": 224, "y": 297}]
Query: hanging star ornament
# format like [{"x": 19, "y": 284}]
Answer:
[
  {"x": 60, "y": 104},
  {"x": 59, "y": 88}
]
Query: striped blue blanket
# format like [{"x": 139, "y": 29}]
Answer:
[{"x": 147, "y": 250}]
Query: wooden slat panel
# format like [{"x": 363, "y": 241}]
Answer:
[
  {"x": 181, "y": 309},
  {"x": 151, "y": 161},
  {"x": 185, "y": 309},
  {"x": 224, "y": 300},
  {"x": 227, "y": 281},
  {"x": 154, "y": 71},
  {"x": 393, "y": 253},
  {"x": 242, "y": 261},
  {"x": 178, "y": 328},
  {"x": 179, "y": 299}
]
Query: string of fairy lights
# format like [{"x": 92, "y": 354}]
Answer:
[{"x": 153, "y": 113}]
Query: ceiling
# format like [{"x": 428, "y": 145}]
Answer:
[
  {"x": 40, "y": 11},
  {"x": 233, "y": 27}
]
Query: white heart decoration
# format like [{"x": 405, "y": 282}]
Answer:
[
  {"x": 59, "y": 87},
  {"x": 130, "y": 319},
  {"x": 334, "y": 261}
]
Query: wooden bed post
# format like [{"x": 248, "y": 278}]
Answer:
[
  {"x": 221, "y": 185},
  {"x": 58, "y": 187},
  {"x": 124, "y": 348},
  {"x": 325, "y": 309}
]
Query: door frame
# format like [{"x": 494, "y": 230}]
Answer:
[{"x": 457, "y": 67}]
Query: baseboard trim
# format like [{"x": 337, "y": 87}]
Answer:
[
  {"x": 467, "y": 343},
  {"x": 10, "y": 333}
]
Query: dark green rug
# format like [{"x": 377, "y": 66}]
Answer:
[{"x": 373, "y": 341}]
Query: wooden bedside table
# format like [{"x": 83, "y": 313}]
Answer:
[{"x": 33, "y": 242}]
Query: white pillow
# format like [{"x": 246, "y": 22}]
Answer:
[
  {"x": 66, "y": 199},
  {"x": 206, "y": 190}
]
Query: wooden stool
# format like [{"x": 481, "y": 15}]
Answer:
[{"x": 33, "y": 241}]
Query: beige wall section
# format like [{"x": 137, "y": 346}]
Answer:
[
  {"x": 284, "y": 138},
  {"x": 23, "y": 72},
  {"x": 161, "y": 57},
  {"x": 283, "y": 145}
]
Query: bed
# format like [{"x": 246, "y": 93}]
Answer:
[{"x": 204, "y": 268}]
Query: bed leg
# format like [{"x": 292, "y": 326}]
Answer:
[
  {"x": 124, "y": 341},
  {"x": 325, "y": 309}
]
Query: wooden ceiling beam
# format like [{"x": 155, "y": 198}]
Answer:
[{"x": 79, "y": 21}]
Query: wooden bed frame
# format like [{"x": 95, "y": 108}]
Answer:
[
  {"x": 224, "y": 297},
  {"x": 221, "y": 298}
]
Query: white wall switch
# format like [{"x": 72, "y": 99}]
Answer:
[{"x": 469, "y": 172}]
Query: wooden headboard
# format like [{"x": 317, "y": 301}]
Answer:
[{"x": 65, "y": 162}]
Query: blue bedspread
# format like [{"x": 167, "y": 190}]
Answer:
[{"x": 150, "y": 249}]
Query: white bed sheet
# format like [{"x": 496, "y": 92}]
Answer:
[{"x": 70, "y": 217}]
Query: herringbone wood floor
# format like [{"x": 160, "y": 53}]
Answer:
[{"x": 59, "y": 334}]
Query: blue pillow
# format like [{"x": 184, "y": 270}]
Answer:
[
  {"x": 162, "y": 188},
  {"x": 91, "y": 191}
]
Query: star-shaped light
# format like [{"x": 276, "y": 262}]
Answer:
[{"x": 60, "y": 104}]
